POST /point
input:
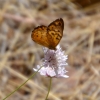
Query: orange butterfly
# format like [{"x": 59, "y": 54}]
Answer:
[{"x": 49, "y": 36}]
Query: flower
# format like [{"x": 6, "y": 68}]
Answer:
[{"x": 54, "y": 63}]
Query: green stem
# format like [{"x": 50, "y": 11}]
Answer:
[
  {"x": 22, "y": 84},
  {"x": 49, "y": 88}
]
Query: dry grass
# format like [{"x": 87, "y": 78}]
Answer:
[{"x": 19, "y": 54}]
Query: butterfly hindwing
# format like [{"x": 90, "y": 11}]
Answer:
[{"x": 39, "y": 35}]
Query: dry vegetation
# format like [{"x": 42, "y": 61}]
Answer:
[{"x": 19, "y": 54}]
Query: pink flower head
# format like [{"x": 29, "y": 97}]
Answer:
[{"x": 54, "y": 63}]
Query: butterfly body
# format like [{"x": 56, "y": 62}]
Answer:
[{"x": 49, "y": 36}]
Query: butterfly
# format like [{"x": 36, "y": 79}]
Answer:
[{"x": 49, "y": 36}]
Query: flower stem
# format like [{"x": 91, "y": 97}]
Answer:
[
  {"x": 22, "y": 84},
  {"x": 49, "y": 88}
]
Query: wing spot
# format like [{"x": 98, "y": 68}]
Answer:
[
  {"x": 57, "y": 38},
  {"x": 59, "y": 23},
  {"x": 52, "y": 33}
]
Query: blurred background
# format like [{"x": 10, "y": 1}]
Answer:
[{"x": 19, "y": 54}]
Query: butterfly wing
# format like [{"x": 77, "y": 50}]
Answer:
[
  {"x": 55, "y": 32},
  {"x": 39, "y": 35}
]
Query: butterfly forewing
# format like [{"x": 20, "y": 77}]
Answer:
[{"x": 55, "y": 32}]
